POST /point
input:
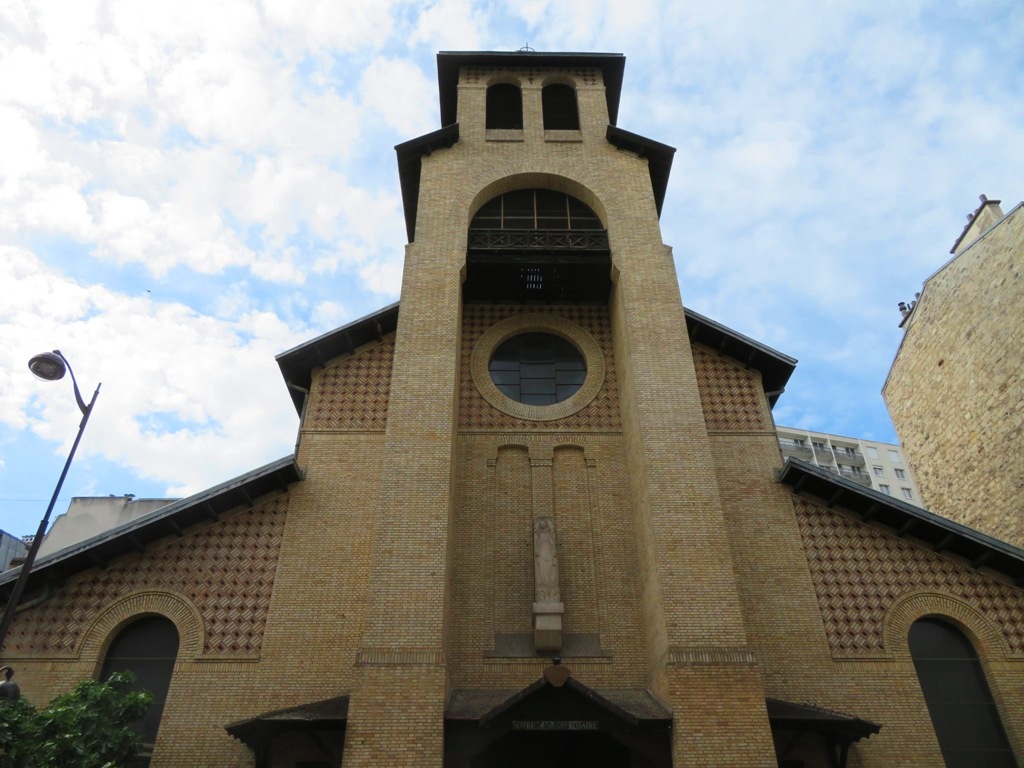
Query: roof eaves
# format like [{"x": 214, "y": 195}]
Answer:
[
  {"x": 297, "y": 362},
  {"x": 659, "y": 158},
  {"x": 775, "y": 367},
  {"x": 410, "y": 155},
  {"x": 161, "y": 522},
  {"x": 943, "y": 534}
]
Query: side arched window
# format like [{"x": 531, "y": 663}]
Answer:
[
  {"x": 560, "y": 111},
  {"x": 148, "y": 648},
  {"x": 963, "y": 712},
  {"x": 504, "y": 106}
]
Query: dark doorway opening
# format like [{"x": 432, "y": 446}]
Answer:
[{"x": 554, "y": 750}]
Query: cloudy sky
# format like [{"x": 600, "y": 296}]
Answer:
[{"x": 189, "y": 188}]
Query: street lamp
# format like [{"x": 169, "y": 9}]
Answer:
[{"x": 48, "y": 366}]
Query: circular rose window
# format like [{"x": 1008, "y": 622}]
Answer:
[{"x": 537, "y": 368}]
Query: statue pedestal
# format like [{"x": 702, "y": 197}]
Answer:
[{"x": 547, "y": 626}]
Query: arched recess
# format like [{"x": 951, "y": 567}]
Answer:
[
  {"x": 964, "y": 714},
  {"x": 983, "y": 634},
  {"x": 176, "y": 608},
  {"x": 511, "y": 180},
  {"x": 504, "y": 109},
  {"x": 560, "y": 107},
  {"x": 986, "y": 639},
  {"x": 147, "y": 647},
  {"x": 536, "y": 242}
]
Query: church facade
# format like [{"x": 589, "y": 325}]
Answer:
[{"x": 538, "y": 514}]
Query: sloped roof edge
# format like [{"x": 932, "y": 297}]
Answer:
[
  {"x": 297, "y": 363},
  {"x": 659, "y": 158},
  {"x": 171, "y": 519},
  {"x": 940, "y": 533}
]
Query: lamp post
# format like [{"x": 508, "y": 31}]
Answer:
[{"x": 48, "y": 366}]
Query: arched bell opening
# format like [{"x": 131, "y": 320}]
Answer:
[{"x": 537, "y": 245}]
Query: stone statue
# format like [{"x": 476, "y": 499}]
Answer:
[
  {"x": 9, "y": 691},
  {"x": 545, "y": 561}
]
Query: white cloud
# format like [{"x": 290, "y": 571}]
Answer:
[
  {"x": 396, "y": 91},
  {"x": 186, "y": 399}
]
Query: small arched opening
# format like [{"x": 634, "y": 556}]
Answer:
[
  {"x": 504, "y": 107},
  {"x": 561, "y": 112}
]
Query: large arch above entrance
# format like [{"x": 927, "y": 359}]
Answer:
[{"x": 557, "y": 721}]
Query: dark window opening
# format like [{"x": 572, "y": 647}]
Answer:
[
  {"x": 961, "y": 706},
  {"x": 538, "y": 369},
  {"x": 560, "y": 111},
  {"x": 148, "y": 648},
  {"x": 504, "y": 106},
  {"x": 536, "y": 209}
]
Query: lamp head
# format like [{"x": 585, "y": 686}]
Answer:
[{"x": 48, "y": 366}]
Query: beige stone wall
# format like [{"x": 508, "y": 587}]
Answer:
[{"x": 955, "y": 389}]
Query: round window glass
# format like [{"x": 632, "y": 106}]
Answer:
[{"x": 537, "y": 368}]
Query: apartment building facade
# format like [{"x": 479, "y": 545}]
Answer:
[{"x": 880, "y": 466}]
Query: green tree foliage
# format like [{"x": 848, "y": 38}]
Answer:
[{"x": 89, "y": 727}]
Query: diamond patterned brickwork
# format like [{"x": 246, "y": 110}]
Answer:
[
  {"x": 225, "y": 568},
  {"x": 476, "y": 75},
  {"x": 860, "y": 570},
  {"x": 731, "y": 395},
  {"x": 602, "y": 414},
  {"x": 352, "y": 394}
]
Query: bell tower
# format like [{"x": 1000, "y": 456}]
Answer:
[{"x": 547, "y": 485}]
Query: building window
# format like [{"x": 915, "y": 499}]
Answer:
[
  {"x": 907, "y": 493},
  {"x": 900, "y": 474},
  {"x": 879, "y": 472},
  {"x": 894, "y": 457},
  {"x": 537, "y": 369},
  {"x": 818, "y": 446},
  {"x": 885, "y": 489},
  {"x": 872, "y": 452},
  {"x": 962, "y": 710},
  {"x": 560, "y": 111},
  {"x": 504, "y": 106},
  {"x": 148, "y": 648}
]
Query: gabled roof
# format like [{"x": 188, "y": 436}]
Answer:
[
  {"x": 449, "y": 63},
  {"x": 659, "y": 158},
  {"x": 775, "y": 367},
  {"x": 941, "y": 534},
  {"x": 298, "y": 362},
  {"x": 172, "y": 519}
]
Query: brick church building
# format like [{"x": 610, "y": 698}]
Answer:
[{"x": 537, "y": 514}]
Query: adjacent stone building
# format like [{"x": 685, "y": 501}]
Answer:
[
  {"x": 955, "y": 388},
  {"x": 538, "y": 514}
]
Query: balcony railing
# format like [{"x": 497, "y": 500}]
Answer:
[
  {"x": 859, "y": 477},
  {"x": 849, "y": 457},
  {"x": 538, "y": 240},
  {"x": 791, "y": 449}
]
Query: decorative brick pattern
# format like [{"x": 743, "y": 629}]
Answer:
[
  {"x": 860, "y": 571},
  {"x": 731, "y": 395},
  {"x": 476, "y": 75},
  {"x": 352, "y": 394},
  {"x": 602, "y": 414},
  {"x": 226, "y": 569}
]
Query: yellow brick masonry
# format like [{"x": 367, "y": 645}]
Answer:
[
  {"x": 828, "y": 600},
  {"x": 955, "y": 387}
]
